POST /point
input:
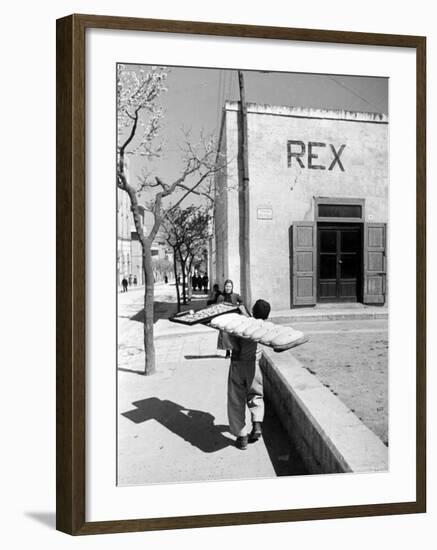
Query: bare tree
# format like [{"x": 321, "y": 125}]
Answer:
[
  {"x": 187, "y": 233},
  {"x": 139, "y": 120},
  {"x": 161, "y": 266}
]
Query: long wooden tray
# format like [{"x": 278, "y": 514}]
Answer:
[{"x": 204, "y": 315}]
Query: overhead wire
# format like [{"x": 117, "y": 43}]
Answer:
[{"x": 353, "y": 92}]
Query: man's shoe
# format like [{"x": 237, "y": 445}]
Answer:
[
  {"x": 256, "y": 432},
  {"x": 242, "y": 442}
]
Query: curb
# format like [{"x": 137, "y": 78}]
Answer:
[
  {"x": 329, "y": 437},
  {"x": 284, "y": 319}
]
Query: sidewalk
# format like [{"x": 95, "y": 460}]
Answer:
[{"x": 173, "y": 426}]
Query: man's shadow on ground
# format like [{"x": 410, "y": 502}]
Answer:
[{"x": 196, "y": 427}]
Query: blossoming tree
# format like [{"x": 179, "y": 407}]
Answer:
[{"x": 139, "y": 121}]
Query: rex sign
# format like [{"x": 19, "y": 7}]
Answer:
[{"x": 306, "y": 155}]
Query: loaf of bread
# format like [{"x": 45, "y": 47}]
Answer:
[
  {"x": 272, "y": 333},
  {"x": 234, "y": 323},
  {"x": 286, "y": 336},
  {"x": 254, "y": 325},
  {"x": 238, "y": 327},
  {"x": 222, "y": 321},
  {"x": 288, "y": 339},
  {"x": 262, "y": 331}
]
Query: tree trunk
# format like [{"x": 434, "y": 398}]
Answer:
[
  {"x": 175, "y": 268},
  {"x": 149, "y": 345},
  {"x": 189, "y": 276},
  {"x": 184, "y": 293}
]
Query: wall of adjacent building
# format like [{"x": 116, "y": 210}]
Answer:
[
  {"x": 137, "y": 260},
  {"x": 124, "y": 221},
  {"x": 283, "y": 192}
]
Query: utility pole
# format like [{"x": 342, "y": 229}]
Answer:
[{"x": 245, "y": 166}]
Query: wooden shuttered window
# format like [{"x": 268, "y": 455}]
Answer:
[
  {"x": 304, "y": 272},
  {"x": 375, "y": 264}
]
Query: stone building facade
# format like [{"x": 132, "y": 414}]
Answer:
[
  {"x": 318, "y": 205},
  {"x": 124, "y": 227},
  {"x": 129, "y": 252}
]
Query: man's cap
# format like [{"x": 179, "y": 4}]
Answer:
[{"x": 261, "y": 309}]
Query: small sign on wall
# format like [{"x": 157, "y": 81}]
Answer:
[{"x": 264, "y": 213}]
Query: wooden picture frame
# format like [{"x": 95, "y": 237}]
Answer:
[{"x": 71, "y": 253}]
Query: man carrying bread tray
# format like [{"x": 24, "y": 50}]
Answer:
[{"x": 245, "y": 384}]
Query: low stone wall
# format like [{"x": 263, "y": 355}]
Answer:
[{"x": 329, "y": 437}]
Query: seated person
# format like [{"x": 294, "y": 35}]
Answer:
[{"x": 213, "y": 296}]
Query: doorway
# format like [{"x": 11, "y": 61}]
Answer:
[{"x": 340, "y": 254}]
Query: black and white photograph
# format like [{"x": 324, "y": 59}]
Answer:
[
  {"x": 252, "y": 290},
  {"x": 222, "y": 248}
]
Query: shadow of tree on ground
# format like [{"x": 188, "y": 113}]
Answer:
[{"x": 164, "y": 310}]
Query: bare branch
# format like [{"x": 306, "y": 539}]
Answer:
[
  {"x": 185, "y": 195},
  {"x": 199, "y": 193}
]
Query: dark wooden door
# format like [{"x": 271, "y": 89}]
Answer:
[
  {"x": 303, "y": 260},
  {"x": 375, "y": 263},
  {"x": 340, "y": 254}
]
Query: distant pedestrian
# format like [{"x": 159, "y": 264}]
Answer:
[
  {"x": 245, "y": 384},
  {"x": 205, "y": 281},
  {"x": 135, "y": 280},
  {"x": 165, "y": 279},
  {"x": 124, "y": 284},
  {"x": 228, "y": 297},
  {"x": 130, "y": 280}
]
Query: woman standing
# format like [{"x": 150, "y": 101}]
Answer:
[{"x": 228, "y": 297}]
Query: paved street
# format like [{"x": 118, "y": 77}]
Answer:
[
  {"x": 351, "y": 359},
  {"x": 172, "y": 426}
]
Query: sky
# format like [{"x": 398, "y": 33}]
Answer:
[{"x": 196, "y": 96}]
